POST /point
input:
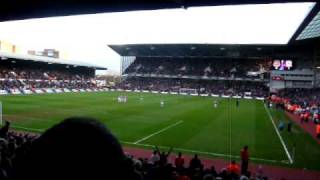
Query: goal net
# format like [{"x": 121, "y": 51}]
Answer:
[{"x": 188, "y": 91}]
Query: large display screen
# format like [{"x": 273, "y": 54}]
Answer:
[{"x": 282, "y": 64}]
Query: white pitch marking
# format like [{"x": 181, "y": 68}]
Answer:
[
  {"x": 206, "y": 153},
  {"x": 280, "y": 137},
  {"x": 158, "y": 132}
]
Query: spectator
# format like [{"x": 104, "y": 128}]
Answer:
[
  {"x": 213, "y": 171},
  {"x": 260, "y": 173},
  {"x": 179, "y": 161},
  {"x": 183, "y": 176},
  {"x": 163, "y": 156},
  {"x": 244, "y": 159},
  {"x": 289, "y": 126},
  {"x": 223, "y": 174},
  {"x": 210, "y": 173},
  {"x": 76, "y": 148},
  {"x": 4, "y": 130},
  {"x": 281, "y": 125},
  {"x": 195, "y": 163},
  {"x": 318, "y": 130},
  {"x": 155, "y": 158},
  {"x": 233, "y": 168},
  {"x": 208, "y": 177}
]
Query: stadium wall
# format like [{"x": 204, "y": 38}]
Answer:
[
  {"x": 292, "y": 79},
  {"x": 65, "y": 90}
]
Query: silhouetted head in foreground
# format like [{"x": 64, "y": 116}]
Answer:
[{"x": 76, "y": 148}]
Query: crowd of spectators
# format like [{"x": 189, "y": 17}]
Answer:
[
  {"x": 304, "y": 97},
  {"x": 157, "y": 167},
  {"x": 84, "y": 148},
  {"x": 220, "y": 87},
  {"x": 21, "y": 85},
  {"x": 303, "y": 102},
  {"x": 199, "y": 67},
  {"x": 38, "y": 74},
  {"x": 30, "y": 79},
  {"x": 235, "y": 68},
  {"x": 13, "y": 146}
]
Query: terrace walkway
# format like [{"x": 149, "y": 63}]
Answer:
[
  {"x": 272, "y": 172},
  {"x": 309, "y": 127}
]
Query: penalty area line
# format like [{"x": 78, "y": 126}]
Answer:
[
  {"x": 158, "y": 132},
  {"x": 279, "y": 135},
  {"x": 206, "y": 153}
]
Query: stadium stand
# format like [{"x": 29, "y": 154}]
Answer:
[
  {"x": 235, "y": 68},
  {"x": 19, "y": 76},
  {"x": 206, "y": 75},
  {"x": 302, "y": 97}
]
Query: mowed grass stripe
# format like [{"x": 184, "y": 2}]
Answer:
[
  {"x": 204, "y": 128},
  {"x": 208, "y": 128},
  {"x": 197, "y": 116}
]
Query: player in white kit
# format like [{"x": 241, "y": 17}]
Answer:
[
  {"x": 215, "y": 104},
  {"x": 161, "y": 103}
]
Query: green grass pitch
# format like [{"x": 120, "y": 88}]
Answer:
[{"x": 189, "y": 124}]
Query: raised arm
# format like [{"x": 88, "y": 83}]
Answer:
[
  {"x": 170, "y": 150},
  {"x": 157, "y": 150}
]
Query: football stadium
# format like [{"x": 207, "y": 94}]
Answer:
[{"x": 220, "y": 90}]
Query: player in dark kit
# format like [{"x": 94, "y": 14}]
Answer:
[{"x": 237, "y": 103}]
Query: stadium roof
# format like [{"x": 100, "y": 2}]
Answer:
[
  {"x": 312, "y": 30},
  {"x": 309, "y": 28},
  {"x": 209, "y": 50},
  {"x": 22, "y": 9},
  {"x": 48, "y": 60}
]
